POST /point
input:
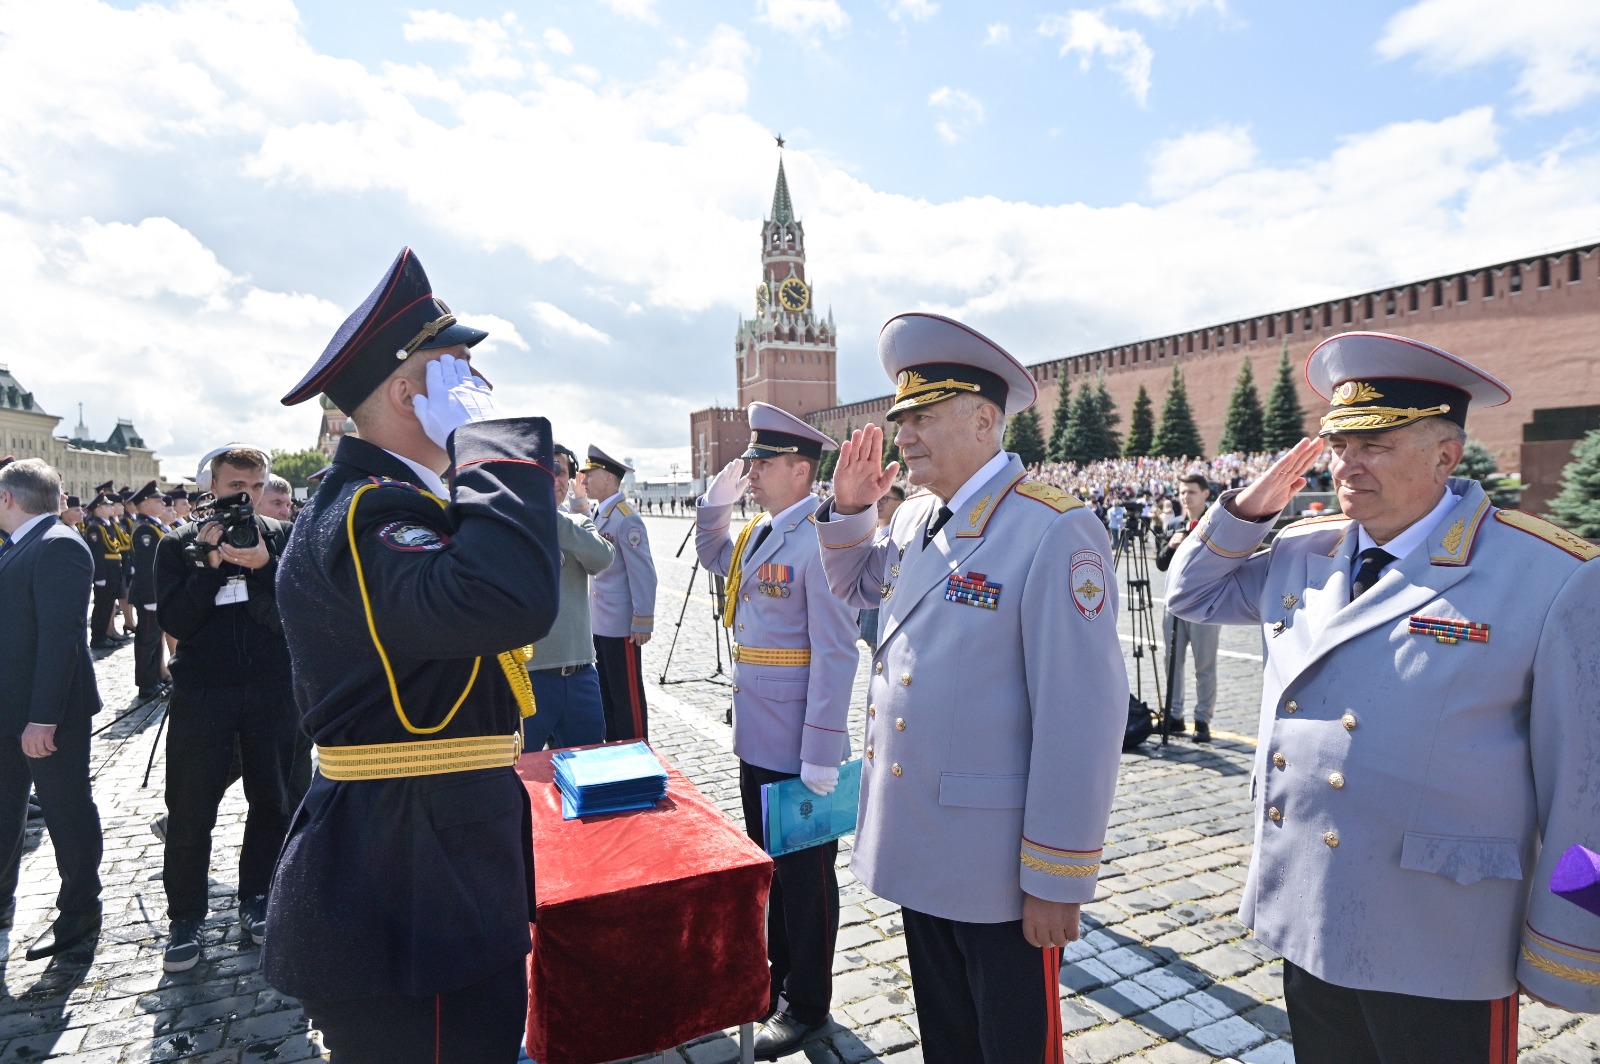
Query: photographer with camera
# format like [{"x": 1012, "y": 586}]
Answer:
[
  {"x": 215, "y": 595},
  {"x": 1194, "y": 494}
]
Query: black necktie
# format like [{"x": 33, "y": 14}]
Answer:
[
  {"x": 938, "y": 522},
  {"x": 756, "y": 537},
  {"x": 1373, "y": 559}
]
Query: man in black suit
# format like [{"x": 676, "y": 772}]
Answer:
[{"x": 46, "y": 702}]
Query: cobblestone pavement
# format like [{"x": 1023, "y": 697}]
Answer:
[{"x": 1163, "y": 974}]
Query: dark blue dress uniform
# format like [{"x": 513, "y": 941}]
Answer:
[
  {"x": 141, "y": 566},
  {"x": 400, "y": 908}
]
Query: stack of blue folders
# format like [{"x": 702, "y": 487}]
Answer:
[{"x": 608, "y": 779}]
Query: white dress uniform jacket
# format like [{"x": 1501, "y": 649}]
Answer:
[
  {"x": 1403, "y": 782},
  {"x": 785, "y": 714},
  {"x": 997, "y": 700},
  {"x": 622, "y": 597}
]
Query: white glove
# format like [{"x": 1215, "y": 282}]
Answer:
[
  {"x": 820, "y": 779},
  {"x": 454, "y": 398},
  {"x": 727, "y": 486}
]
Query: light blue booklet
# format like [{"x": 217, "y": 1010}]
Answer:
[{"x": 798, "y": 818}]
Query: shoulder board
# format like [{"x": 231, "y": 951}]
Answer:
[
  {"x": 1307, "y": 522},
  {"x": 1550, "y": 532},
  {"x": 624, "y": 509},
  {"x": 1056, "y": 498},
  {"x": 385, "y": 482}
]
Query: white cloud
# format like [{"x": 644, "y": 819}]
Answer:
[
  {"x": 1198, "y": 159},
  {"x": 642, "y": 10},
  {"x": 1555, "y": 42},
  {"x": 556, "y": 320},
  {"x": 961, "y": 111},
  {"x": 1087, "y": 34},
  {"x": 997, "y": 33},
  {"x": 915, "y": 10},
  {"x": 557, "y": 41},
  {"x": 489, "y": 44},
  {"x": 1169, "y": 10},
  {"x": 233, "y": 193},
  {"x": 803, "y": 18}
]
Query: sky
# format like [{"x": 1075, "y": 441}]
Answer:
[{"x": 194, "y": 194}]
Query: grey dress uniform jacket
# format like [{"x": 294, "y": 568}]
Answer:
[
  {"x": 1403, "y": 782},
  {"x": 622, "y": 597},
  {"x": 785, "y": 714},
  {"x": 997, "y": 700}
]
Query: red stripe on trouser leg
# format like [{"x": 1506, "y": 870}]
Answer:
[
  {"x": 1503, "y": 1030},
  {"x": 1053, "y": 1051},
  {"x": 438, "y": 1028},
  {"x": 630, "y": 654}
]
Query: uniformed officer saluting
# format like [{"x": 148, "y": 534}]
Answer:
[
  {"x": 998, "y": 695},
  {"x": 400, "y": 908},
  {"x": 794, "y": 665},
  {"x": 1428, "y": 715},
  {"x": 622, "y": 598}
]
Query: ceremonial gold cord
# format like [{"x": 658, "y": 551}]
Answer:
[{"x": 736, "y": 572}]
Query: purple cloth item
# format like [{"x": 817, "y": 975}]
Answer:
[{"x": 1577, "y": 878}]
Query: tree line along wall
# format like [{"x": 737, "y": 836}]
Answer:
[{"x": 1534, "y": 323}]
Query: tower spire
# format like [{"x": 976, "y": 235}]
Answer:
[{"x": 782, "y": 208}]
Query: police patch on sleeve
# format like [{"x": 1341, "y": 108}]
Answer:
[
  {"x": 635, "y": 536},
  {"x": 404, "y": 536},
  {"x": 1088, "y": 583}
]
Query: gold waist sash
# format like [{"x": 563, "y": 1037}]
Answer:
[
  {"x": 425, "y": 757},
  {"x": 763, "y": 656}
]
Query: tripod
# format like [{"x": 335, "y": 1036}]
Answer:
[
  {"x": 718, "y": 589},
  {"x": 1133, "y": 559}
]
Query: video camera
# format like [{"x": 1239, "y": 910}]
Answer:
[{"x": 237, "y": 516}]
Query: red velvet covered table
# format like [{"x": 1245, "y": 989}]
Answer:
[{"x": 651, "y": 927}]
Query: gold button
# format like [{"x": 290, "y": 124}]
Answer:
[
  {"x": 1349, "y": 721},
  {"x": 872, "y": 711},
  {"x": 745, "y": 597},
  {"x": 869, "y": 751},
  {"x": 741, "y": 628},
  {"x": 878, "y": 668},
  {"x": 1331, "y": 838},
  {"x": 1274, "y": 815},
  {"x": 1291, "y": 706},
  {"x": 899, "y": 724},
  {"x": 1278, "y": 760},
  {"x": 1336, "y": 780},
  {"x": 905, "y": 678},
  {"x": 895, "y": 770}
]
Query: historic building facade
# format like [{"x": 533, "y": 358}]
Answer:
[
  {"x": 28, "y": 432},
  {"x": 786, "y": 355},
  {"x": 1533, "y": 322}
]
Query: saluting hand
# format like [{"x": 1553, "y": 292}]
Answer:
[
  {"x": 859, "y": 479},
  {"x": 726, "y": 487},
  {"x": 1274, "y": 489}
]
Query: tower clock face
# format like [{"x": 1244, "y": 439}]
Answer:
[
  {"x": 763, "y": 296},
  {"x": 794, "y": 295}
]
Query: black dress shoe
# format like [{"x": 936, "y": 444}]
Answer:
[
  {"x": 66, "y": 932},
  {"x": 103, "y": 644},
  {"x": 782, "y": 1033},
  {"x": 1202, "y": 731},
  {"x": 1177, "y": 725}
]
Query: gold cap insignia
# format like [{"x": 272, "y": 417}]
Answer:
[{"x": 1355, "y": 392}]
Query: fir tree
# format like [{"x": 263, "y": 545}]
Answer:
[
  {"x": 1086, "y": 434},
  {"x": 1023, "y": 437},
  {"x": 1060, "y": 420},
  {"x": 1178, "y": 437},
  {"x": 1109, "y": 417},
  {"x": 1285, "y": 421},
  {"x": 1578, "y": 505},
  {"x": 1477, "y": 463},
  {"x": 1142, "y": 427},
  {"x": 1242, "y": 430}
]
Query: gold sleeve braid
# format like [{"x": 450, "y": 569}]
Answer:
[{"x": 513, "y": 662}]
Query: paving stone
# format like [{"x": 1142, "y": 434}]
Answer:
[
  {"x": 1179, "y": 1052},
  {"x": 1108, "y": 1044},
  {"x": 1227, "y": 1037},
  {"x": 1277, "y": 1052}
]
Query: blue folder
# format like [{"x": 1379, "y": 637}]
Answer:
[
  {"x": 798, "y": 818},
  {"x": 608, "y": 779}
]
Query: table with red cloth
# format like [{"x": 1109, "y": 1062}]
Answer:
[{"x": 651, "y": 926}]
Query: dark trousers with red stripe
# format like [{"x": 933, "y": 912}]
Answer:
[
  {"x": 802, "y": 909},
  {"x": 147, "y": 650},
  {"x": 621, "y": 687},
  {"x": 984, "y": 995},
  {"x": 479, "y": 1024},
  {"x": 1337, "y": 1025}
]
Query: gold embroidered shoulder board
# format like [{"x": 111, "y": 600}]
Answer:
[
  {"x": 1550, "y": 532},
  {"x": 1058, "y": 500},
  {"x": 1307, "y": 521}
]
